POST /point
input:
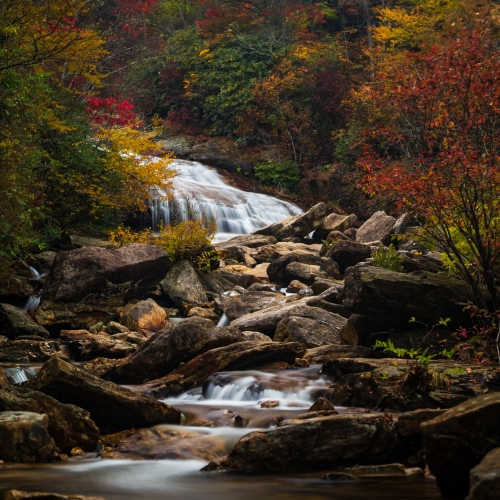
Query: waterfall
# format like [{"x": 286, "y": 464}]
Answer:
[{"x": 200, "y": 190}]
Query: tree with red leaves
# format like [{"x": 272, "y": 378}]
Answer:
[{"x": 436, "y": 151}]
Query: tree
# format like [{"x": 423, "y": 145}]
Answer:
[{"x": 435, "y": 150}]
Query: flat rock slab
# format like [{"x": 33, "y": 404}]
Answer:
[
  {"x": 239, "y": 356},
  {"x": 269, "y": 253},
  {"x": 69, "y": 425},
  {"x": 399, "y": 385},
  {"x": 25, "y": 351},
  {"x": 111, "y": 407},
  {"x": 314, "y": 444},
  {"x": 25, "y": 438},
  {"x": 250, "y": 302},
  {"x": 320, "y": 355},
  {"x": 378, "y": 227},
  {"x": 457, "y": 441},
  {"x": 25, "y": 495}
]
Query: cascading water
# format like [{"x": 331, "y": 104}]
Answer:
[
  {"x": 34, "y": 300},
  {"x": 200, "y": 190}
]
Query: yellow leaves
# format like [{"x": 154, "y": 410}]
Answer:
[{"x": 206, "y": 54}]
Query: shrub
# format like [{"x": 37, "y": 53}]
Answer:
[
  {"x": 284, "y": 175},
  {"x": 183, "y": 240},
  {"x": 388, "y": 258}
]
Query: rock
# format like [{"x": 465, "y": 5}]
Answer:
[
  {"x": 68, "y": 425},
  {"x": 86, "y": 285},
  {"x": 314, "y": 444},
  {"x": 25, "y": 495},
  {"x": 238, "y": 356},
  {"x": 250, "y": 302},
  {"x": 25, "y": 351},
  {"x": 238, "y": 279},
  {"x": 458, "y": 440},
  {"x": 320, "y": 355},
  {"x": 248, "y": 275},
  {"x": 111, "y": 406},
  {"x": 25, "y": 438},
  {"x": 246, "y": 240},
  {"x": 183, "y": 286},
  {"x": 107, "y": 347},
  {"x": 296, "y": 226},
  {"x": 75, "y": 335},
  {"x": 321, "y": 285},
  {"x": 5, "y": 381},
  {"x": 270, "y": 253},
  {"x": 145, "y": 316},
  {"x": 17, "y": 287},
  {"x": 323, "y": 329},
  {"x": 400, "y": 225},
  {"x": 378, "y": 471},
  {"x": 15, "y": 322},
  {"x": 42, "y": 261},
  {"x": 378, "y": 227},
  {"x": 347, "y": 254},
  {"x": 321, "y": 404},
  {"x": 266, "y": 321},
  {"x": 415, "y": 261},
  {"x": 387, "y": 299},
  {"x": 201, "y": 312},
  {"x": 399, "y": 385},
  {"x": 485, "y": 478},
  {"x": 113, "y": 327},
  {"x": 178, "y": 344},
  {"x": 351, "y": 233},
  {"x": 335, "y": 222},
  {"x": 269, "y": 404},
  {"x": 295, "y": 286}
]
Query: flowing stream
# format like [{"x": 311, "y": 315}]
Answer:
[
  {"x": 170, "y": 469},
  {"x": 200, "y": 190}
]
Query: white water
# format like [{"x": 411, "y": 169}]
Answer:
[
  {"x": 18, "y": 373},
  {"x": 34, "y": 300},
  {"x": 200, "y": 190}
]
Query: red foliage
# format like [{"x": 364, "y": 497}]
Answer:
[{"x": 112, "y": 111}]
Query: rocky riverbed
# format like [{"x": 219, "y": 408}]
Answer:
[{"x": 134, "y": 376}]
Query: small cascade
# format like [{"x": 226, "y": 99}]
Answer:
[
  {"x": 200, "y": 190},
  {"x": 19, "y": 374},
  {"x": 34, "y": 300},
  {"x": 223, "y": 321}
]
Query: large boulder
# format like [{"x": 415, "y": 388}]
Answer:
[
  {"x": 25, "y": 351},
  {"x": 485, "y": 478},
  {"x": 25, "y": 438},
  {"x": 270, "y": 253},
  {"x": 111, "y": 407},
  {"x": 14, "y": 322},
  {"x": 312, "y": 444},
  {"x": 378, "y": 227},
  {"x": 174, "y": 345},
  {"x": 297, "y": 226},
  {"x": 183, "y": 286},
  {"x": 68, "y": 425},
  {"x": 239, "y": 356},
  {"x": 347, "y": 253},
  {"x": 145, "y": 316},
  {"x": 86, "y": 285},
  {"x": 249, "y": 302},
  {"x": 322, "y": 329},
  {"x": 104, "y": 346},
  {"x": 458, "y": 440},
  {"x": 388, "y": 300},
  {"x": 266, "y": 321},
  {"x": 335, "y": 222},
  {"x": 320, "y": 355}
]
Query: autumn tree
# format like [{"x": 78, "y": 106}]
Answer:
[{"x": 435, "y": 150}]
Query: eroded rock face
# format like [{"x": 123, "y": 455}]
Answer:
[
  {"x": 183, "y": 286},
  {"x": 296, "y": 226},
  {"x": 68, "y": 425},
  {"x": 111, "y": 406},
  {"x": 323, "y": 329},
  {"x": 458, "y": 440},
  {"x": 25, "y": 438},
  {"x": 14, "y": 322},
  {"x": 86, "y": 285},
  {"x": 312, "y": 444},
  {"x": 387, "y": 299},
  {"x": 174, "y": 345},
  {"x": 238, "y": 356},
  {"x": 250, "y": 302},
  {"x": 378, "y": 227},
  {"x": 485, "y": 477},
  {"x": 144, "y": 316}
]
